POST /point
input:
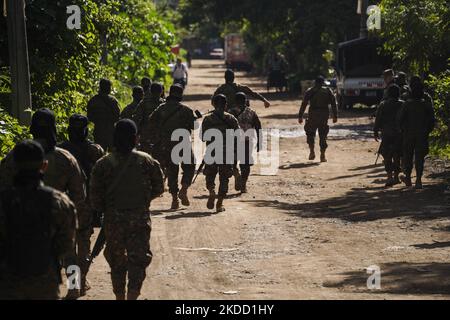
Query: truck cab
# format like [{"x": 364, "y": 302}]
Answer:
[{"x": 359, "y": 67}]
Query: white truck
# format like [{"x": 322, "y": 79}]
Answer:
[{"x": 359, "y": 69}]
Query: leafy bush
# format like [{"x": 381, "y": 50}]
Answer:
[
  {"x": 11, "y": 132},
  {"x": 440, "y": 86}
]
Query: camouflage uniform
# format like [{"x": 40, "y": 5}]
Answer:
[
  {"x": 104, "y": 111},
  {"x": 319, "y": 99},
  {"x": 215, "y": 120},
  {"x": 416, "y": 120},
  {"x": 229, "y": 90},
  {"x": 63, "y": 174},
  {"x": 248, "y": 119},
  {"x": 87, "y": 154},
  {"x": 45, "y": 208},
  {"x": 129, "y": 111},
  {"x": 141, "y": 117},
  {"x": 167, "y": 118},
  {"x": 386, "y": 122},
  {"x": 122, "y": 186}
]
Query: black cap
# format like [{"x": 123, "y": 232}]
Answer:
[
  {"x": 28, "y": 155},
  {"x": 126, "y": 127},
  {"x": 156, "y": 88},
  {"x": 229, "y": 75},
  {"x": 176, "y": 91},
  {"x": 320, "y": 80},
  {"x": 78, "y": 120},
  {"x": 219, "y": 99},
  {"x": 240, "y": 97}
]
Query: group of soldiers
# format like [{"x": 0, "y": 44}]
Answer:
[
  {"x": 53, "y": 195},
  {"x": 405, "y": 118}
]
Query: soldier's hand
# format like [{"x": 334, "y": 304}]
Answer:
[
  {"x": 335, "y": 120},
  {"x": 300, "y": 120},
  {"x": 266, "y": 104}
]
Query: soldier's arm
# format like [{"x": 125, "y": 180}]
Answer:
[
  {"x": 77, "y": 183},
  {"x": 249, "y": 92},
  {"x": 304, "y": 104},
  {"x": 116, "y": 110},
  {"x": 91, "y": 114},
  {"x": 139, "y": 115},
  {"x": 431, "y": 116},
  {"x": 64, "y": 215},
  {"x": 378, "y": 119},
  {"x": 333, "y": 104},
  {"x": 97, "y": 188},
  {"x": 155, "y": 175},
  {"x": 205, "y": 127}
]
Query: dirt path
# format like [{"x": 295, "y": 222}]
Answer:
[{"x": 309, "y": 232}]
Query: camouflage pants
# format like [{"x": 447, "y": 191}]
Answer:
[
  {"x": 172, "y": 172},
  {"x": 247, "y": 162},
  {"x": 44, "y": 287},
  {"x": 391, "y": 152},
  {"x": 128, "y": 250},
  {"x": 84, "y": 250},
  {"x": 415, "y": 149},
  {"x": 317, "y": 123},
  {"x": 225, "y": 172}
]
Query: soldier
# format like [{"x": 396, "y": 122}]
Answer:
[
  {"x": 230, "y": 88},
  {"x": 248, "y": 120},
  {"x": 87, "y": 154},
  {"x": 416, "y": 121},
  {"x": 413, "y": 81},
  {"x": 402, "y": 83},
  {"x": 123, "y": 184},
  {"x": 389, "y": 79},
  {"x": 171, "y": 116},
  {"x": 130, "y": 110},
  {"x": 146, "y": 83},
  {"x": 222, "y": 121},
  {"x": 149, "y": 104},
  {"x": 386, "y": 122},
  {"x": 319, "y": 98},
  {"x": 63, "y": 173},
  {"x": 37, "y": 230},
  {"x": 104, "y": 111}
]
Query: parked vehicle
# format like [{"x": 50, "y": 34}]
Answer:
[
  {"x": 359, "y": 68},
  {"x": 236, "y": 54}
]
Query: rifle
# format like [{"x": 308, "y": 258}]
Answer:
[
  {"x": 199, "y": 170},
  {"x": 378, "y": 153},
  {"x": 98, "y": 247}
]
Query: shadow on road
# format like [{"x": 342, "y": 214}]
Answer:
[
  {"x": 400, "y": 278},
  {"x": 368, "y": 204}
]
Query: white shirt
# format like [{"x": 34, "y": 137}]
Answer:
[{"x": 179, "y": 72}]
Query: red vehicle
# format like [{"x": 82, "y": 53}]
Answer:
[{"x": 236, "y": 54}]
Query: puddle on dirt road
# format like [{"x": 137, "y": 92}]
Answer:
[{"x": 337, "y": 132}]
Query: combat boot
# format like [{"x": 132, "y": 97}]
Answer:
[
  {"x": 219, "y": 205},
  {"x": 396, "y": 178},
  {"x": 237, "y": 180},
  {"x": 390, "y": 181},
  {"x": 419, "y": 184},
  {"x": 323, "y": 157},
  {"x": 132, "y": 295},
  {"x": 175, "y": 202},
  {"x": 244, "y": 186},
  {"x": 312, "y": 154},
  {"x": 407, "y": 181},
  {"x": 183, "y": 196},
  {"x": 72, "y": 294},
  {"x": 120, "y": 296},
  {"x": 211, "y": 199}
]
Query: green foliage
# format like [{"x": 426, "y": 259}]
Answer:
[
  {"x": 440, "y": 86},
  {"x": 10, "y": 132},
  {"x": 65, "y": 65},
  {"x": 417, "y": 34}
]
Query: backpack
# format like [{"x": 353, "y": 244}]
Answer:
[{"x": 28, "y": 225}]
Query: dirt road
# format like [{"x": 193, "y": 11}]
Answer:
[{"x": 308, "y": 232}]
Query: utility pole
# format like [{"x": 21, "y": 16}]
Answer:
[
  {"x": 362, "y": 10},
  {"x": 18, "y": 60}
]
